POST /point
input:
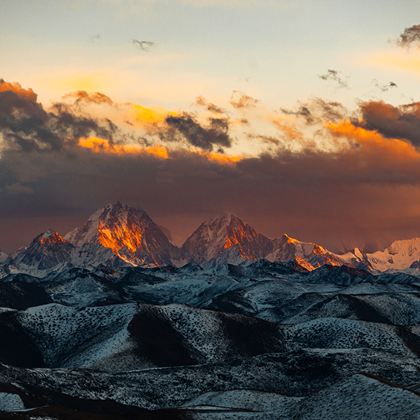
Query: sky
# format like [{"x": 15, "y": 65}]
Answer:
[{"x": 298, "y": 116}]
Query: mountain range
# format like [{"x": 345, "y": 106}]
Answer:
[
  {"x": 118, "y": 235},
  {"x": 113, "y": 321}
]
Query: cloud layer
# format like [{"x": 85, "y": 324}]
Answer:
[{"x": 58, "y": 165}]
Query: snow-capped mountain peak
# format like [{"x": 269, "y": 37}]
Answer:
[
  {"x": 120, "y": 231},
  {"x": 225, "y": 238}
]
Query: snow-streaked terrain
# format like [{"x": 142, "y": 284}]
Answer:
[{"x": 258, "y": 340}]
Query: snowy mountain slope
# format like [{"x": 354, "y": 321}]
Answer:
[
  {"x": 127, "y": 336},
  {"x": 258, "y": 340},
  {"x": 231, "y": 404},
  {"x": 63, "y": 333},
  {"x": 357, "y": 397},
  {"x": 120, "y": 233},
  {"x": 302, "y": 381},
  {"x": 79, "y": 287},
  {"x": 399, "y": 309},
  {"x": 360, "y": 397},
  {"x": 259, "y": 289},
  {"x": 333, "y": 333},
  {"x": 124, "y": 337}
]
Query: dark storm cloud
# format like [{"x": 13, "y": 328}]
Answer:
[
  {"x": 216, "y": 134},
  {"x": 23, "y": 121},
  {"x": 391, "y": 121},
  {"x": 335, "y": 76},
  {"x": 24, "y": 124},
  {"x": 410, "y": 36},
  {"x": 240, "y": 100}
]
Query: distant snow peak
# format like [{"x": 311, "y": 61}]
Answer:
[
  {"x": 308, "y": 255},
  {"x": 400, "y": 255},
  {"x": 47, "y": 251}
]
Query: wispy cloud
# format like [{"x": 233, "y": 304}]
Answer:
[
  {"x": 241, "y": 100},
  {"x": 384, "y": 87},
  {"x": 335, "y": 76},
  {"x": 143, "y": 45}
]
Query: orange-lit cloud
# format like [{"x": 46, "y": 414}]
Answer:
[
  {"x": 16, "y": 88},
  {"x": 373, "y": 140},
  {"x": 151, "y": 116},
  {"x": 290, "y": 131},
  {"x": 221, "y": 158},
  {"x": 99, "y": 145}
]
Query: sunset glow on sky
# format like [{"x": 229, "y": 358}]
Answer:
[{"x": 300, "y": 116}]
